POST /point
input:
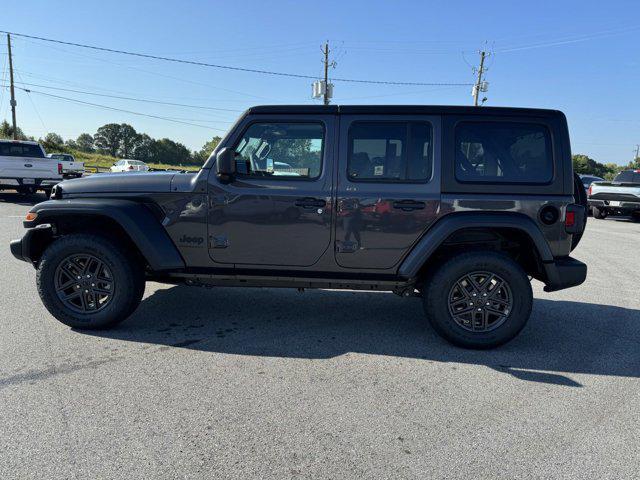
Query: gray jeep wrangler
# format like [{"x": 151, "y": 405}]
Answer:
[{"x": 458, "y": 206}]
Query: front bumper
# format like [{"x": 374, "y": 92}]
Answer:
[
  {"x": 29, "y": 247},
  {"x": 564, "y": 273}
]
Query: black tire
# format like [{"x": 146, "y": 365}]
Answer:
[
  {"x": 127, "y": 281},
  {"x": 47, "y": 192},
  {"x": 580, "y": 197},
  {"x": 439, "y": 288},
  {"x": 598, "y": 213}
]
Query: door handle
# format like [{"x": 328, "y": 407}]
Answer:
[
  {"x": 310, "y": 202},
  {"x": 408, "y": 205}
]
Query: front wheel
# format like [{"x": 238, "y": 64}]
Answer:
[
  {"x": 478, "y": 300},
  {"x": 86, "y": 281}
]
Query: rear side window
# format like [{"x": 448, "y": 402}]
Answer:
[
  {"x": 503, "y": 152},
  {"x": 390, "y": 152},
  {"x": 20, "y": 150}
]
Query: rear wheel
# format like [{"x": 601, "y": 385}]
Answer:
[
  {"x": 599, "y": 213},
  {"x": 86, "y": 281},
  {"x": 478, "y": 300}
]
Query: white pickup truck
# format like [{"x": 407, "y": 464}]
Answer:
[
  {"x": 618, "y": 197},
  {"x": 25, "y": 168},
  {"x": 71, "y": 168}
]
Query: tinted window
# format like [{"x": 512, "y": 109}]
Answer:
[
  {"x": 390, "y": 152},
  {"x": 20, "y": 150},
  {"x": 628, "y": 176},
  {"x": 61, "y": 156},
  {"x": 586, "y": 181},
  {"x": 503, "y": 152},
  {"x": 290, "y": 150}
]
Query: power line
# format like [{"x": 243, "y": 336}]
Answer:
[
  {"x": 227, "y": 67},
  {"x": 145, "y": 100},
  {"x": 82, "y": 102}
]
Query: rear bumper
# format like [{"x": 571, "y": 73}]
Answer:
[
  {"x": 13, "y": 183},
  {"x": 621, "y": 204},
  {"x": 564, "y": 273}
]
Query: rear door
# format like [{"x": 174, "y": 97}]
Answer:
[
  {"x": 388, "y": 187},
  {"x": 277, "y": 208}
]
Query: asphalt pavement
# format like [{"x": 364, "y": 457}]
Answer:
[{"x": 273, "y": 383}]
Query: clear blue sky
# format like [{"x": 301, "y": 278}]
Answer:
[{"x": 581, "y": 57}]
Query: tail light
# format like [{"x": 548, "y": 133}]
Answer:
[
  {"x": 130, "y": 167},
  {"x": 575, "y": 218},
  {"x": 570, "y": 219},
  {"x": 589, "y": 191},
  {"x": 59, "y": 169}
]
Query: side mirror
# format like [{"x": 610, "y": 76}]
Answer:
[{"x": 225, "y": 164}]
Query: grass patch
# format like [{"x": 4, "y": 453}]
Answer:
[{"x": 104, "y": 162}]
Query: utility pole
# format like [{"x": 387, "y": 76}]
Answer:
[
  {"x": 326, "y": 73},
  {"x": 322, "y": 88},
  {"x": 637, "y": 153},
  {"x": 480, "y": 86},
  {"x": 13, "y": 93}
]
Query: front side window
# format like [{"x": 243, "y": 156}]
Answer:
[
  {"x": 281, "y": 150},
  {"x": 503, "y": 152},
  {"x": 390, "y": 152}
]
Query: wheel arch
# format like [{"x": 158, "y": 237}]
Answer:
[
  {"x": 513, "y": 233},
  {"x": 123, "y": 219}
]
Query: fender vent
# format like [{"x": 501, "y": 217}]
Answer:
[{"x": 549, "y": 215}]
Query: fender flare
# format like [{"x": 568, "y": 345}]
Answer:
[
  {"x": 449, "y": 224},
  {"x": 137, "y": 220}
]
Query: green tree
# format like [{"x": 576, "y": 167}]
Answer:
[
  {"x": 588, "y": 166},
  {"x": 129, "y": 138},
  {"x": 6, "y": 131},
  {"x": 52, "y": 141},
  {"x": 85, "y": 142},
  {"x": 202, "y": 155},
  {"x": 170, "y": 152},
  {"x": 71, "y": 143},
  {"x": 144, "y": 149},
  {"x": 107, "y": 139}
]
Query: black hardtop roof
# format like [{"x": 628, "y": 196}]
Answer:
[{"x": 402, "y": 110}]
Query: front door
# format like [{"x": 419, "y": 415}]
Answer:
[
  {"x": 388, "y": 190},
  {"x": 277, "y": 208}
]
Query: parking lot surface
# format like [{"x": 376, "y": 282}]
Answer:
[{"x": 269, "y": 383}]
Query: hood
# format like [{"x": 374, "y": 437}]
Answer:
[{"x": 143, "y": 182}]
